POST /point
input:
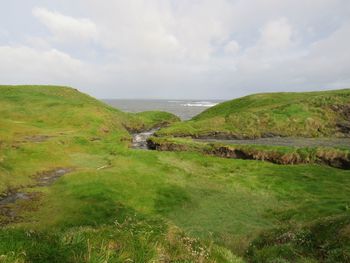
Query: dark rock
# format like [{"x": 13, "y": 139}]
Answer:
[{"x": 152, "y": 145}]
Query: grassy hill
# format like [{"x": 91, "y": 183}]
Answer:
[
  {"x": 305, "y": 114},
  {"x": 64, "y": 119},
  {"x": 116, "y": 204}
]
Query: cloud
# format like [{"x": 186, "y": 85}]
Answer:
[
  {"x": 232, "y": 47},
  {"x": 65, "y": 28},
  {"x": 328, "y": 60},
  {"x": 20, "y": 64},
  {"x": 167, "y": 48},
  {"x": 277, "y": 34},
  {"x": 162, "y": 29}
]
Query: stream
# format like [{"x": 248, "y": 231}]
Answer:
[{"x": 139, "y": 140}]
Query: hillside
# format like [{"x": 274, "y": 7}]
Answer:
[
  {"x": 71, "y": 190},
  {"x": 305, "y": 114},
  {"x": 63, "y": 118}
]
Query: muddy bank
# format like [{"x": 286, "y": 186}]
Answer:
[
  {"x": 337, "y": 159},
  {"x": 297, "y": 155},
  {"x": 284, "y": 141},
  {"x": 342, "y": 127},
  {"x": 20, "y": 199}
]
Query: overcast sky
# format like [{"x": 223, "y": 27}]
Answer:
[{"x": 176, "y": 48}]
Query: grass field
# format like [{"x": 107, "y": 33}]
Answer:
[
  {"x": 124, "y": 205},
  {"x": 308, "y": 114}
]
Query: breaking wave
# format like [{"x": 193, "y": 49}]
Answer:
[{"x": 200, "y": 104}]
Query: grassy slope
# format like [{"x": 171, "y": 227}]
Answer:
[
  {"x": 310, "y": 114},
  {"x": 145, "y": 205},
  {"x": 68, "y": 117}
]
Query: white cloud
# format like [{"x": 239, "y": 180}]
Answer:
[
  {"x": 162, "y": 29},
  {"x": 277, "y": 34},
  {"x": 65, "y": 28},
  {"x": 20, "y": 64},
  {"x": 328, "y": 59},
  {"x": 232, "y": 47}
]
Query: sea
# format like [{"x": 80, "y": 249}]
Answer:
[{"x": 185, "y": 109}]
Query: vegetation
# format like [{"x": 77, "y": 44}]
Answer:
[
  {"x": 118, "y": 204},
  {"x": 334, "y": 157},
  {"x": 310, "y": 114},
  {"x": 136, "y": 122}
]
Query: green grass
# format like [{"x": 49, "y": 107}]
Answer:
[
  {"x": 307, "y": 114},
  {"x": 120, "y": 204},
  {"x": 338, "y": 157}
]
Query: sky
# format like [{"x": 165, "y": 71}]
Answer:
[{"x": 178, "y": 49}]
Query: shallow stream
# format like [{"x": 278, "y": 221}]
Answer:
[{"x": 139, "y": 140}]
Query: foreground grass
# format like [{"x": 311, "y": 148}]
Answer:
[
  {"x": 124, "y": 205},
  {"x": 305, "y": 114}
]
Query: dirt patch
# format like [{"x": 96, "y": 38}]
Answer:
[
  {"x": 13, "y": 197},
  {"x": 49, "y": 177},
  {"x": 13, "y": 206},
  {"x": 15, "y": 201},
  {"x": 37, "y": 138}
]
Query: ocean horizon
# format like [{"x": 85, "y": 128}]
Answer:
[{"x": 185, "y": 109}]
